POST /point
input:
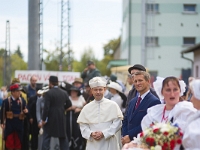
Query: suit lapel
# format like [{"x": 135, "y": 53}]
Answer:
[{"x": 141, "y": 106}]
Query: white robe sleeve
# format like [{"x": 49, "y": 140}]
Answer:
[
  {"x": 191, "y": 136},
  {"x": 146, "y": 121},
  {"x": 85, "y": 131},
  {"x": 113, "y": 128}
]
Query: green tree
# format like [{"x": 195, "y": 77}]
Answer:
[
  {"x": 88, "y": 54},
  {"x": 18, "y": 52},
  {"x": 52, "y": 60},
  {"x": 17, "y": 63},
  {"x": 111, "y": 46}
]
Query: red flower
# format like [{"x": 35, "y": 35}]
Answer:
[
  {"x": 141, "y": 134},
  {"x": 148, "y": 139},
  {"x": 155, "y": 130},
  {"x": 172, "y": 144},
  {"x": 180, "y": 133},
  {"x": 179, "y": 141},
  {"x": 165, "y": 133},
  {"x": 165, "y": 146}
]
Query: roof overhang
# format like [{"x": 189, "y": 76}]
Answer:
[{"x": 191, "y": 49}]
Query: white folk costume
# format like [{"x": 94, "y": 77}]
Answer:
[
  {"x": 191, "y": 137},
  {"x": 177, "y": 115},
  {"x": 102, "y": 115}
]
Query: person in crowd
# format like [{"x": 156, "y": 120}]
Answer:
[
  {"x": 73, "y": 130},
  {"x": 189, "y": 92},
  {"x": 12, "y": 116},
  {"x": 31, "y": 89},
  {"x": 89, "y": 72},
  {"x": 53, "y": 118},
  {"x": 137, "y": 108},
  {"x": 133, "y": 92},
  {"x": 78, "y": 82},
  {"x": 89, "y": 92},
  {"x": 192, "y": 131},
  {"x": 113, "y": 78},
  {"x": 39, "y": 112},
  {"x": 100, "y": 127},
  {"x": 23, "y": 95},
  {"x": 34, "y": 131},
  {"x": 118, "y": 96}
]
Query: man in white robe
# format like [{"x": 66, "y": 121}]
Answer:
[
  {"x": 191, "y": 137},
  {"x": 101, "y": 120}
]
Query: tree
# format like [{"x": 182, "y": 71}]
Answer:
[
  {"x": 52, "y": 60},
  {"x": 18, "y": 52},
  {"x": 87, "y": 54},
  {"x": 111, "y": 46}
]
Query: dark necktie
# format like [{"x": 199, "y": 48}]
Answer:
[{"x": 138, "y": 102}]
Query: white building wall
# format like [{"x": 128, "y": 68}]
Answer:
[{"x": 170, "y": 25}]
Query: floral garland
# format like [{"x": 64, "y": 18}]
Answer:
[{"x": 161, "y": 136}]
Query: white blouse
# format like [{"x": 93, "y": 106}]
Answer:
[{"x": 179, "y": 113}]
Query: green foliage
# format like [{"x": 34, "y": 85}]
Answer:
[
  {"x": 18, "y": 52},
  {"x": 111, "y": 46},
  {"x": 52, "y": 60},
  {"x": 87, "y": 54},
  {"x": 17, "y": 63}
]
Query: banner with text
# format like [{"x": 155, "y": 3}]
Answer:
[{"x": 43, "y": 76}]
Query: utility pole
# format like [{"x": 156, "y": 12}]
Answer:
[
  {"x": 65, "y": 22},
  {"x": 41, "y": 36},
  {"x": 7, "y": 60},
  {"x": 34, "y": 35},
  {"x": 143, "y": 33}
]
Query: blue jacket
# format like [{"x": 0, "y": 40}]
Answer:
[{"x": 132, "y": 120}]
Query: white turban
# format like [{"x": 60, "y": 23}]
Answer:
[
  {"x": 196, "y": 88},
  {"x": 97, "y": 81}
]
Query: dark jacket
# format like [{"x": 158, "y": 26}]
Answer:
[
  {"x": 90, "y": 74},
  {"x": 133, "y": 93},
  {"x": 132, "y": 120},
  {"x": 56, "y": 101}
]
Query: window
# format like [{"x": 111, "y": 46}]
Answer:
[
  {"x": 189, "y": 8},
  {"x": 152, "y": 8},
  {"x": 151, "y": 41},
  {"x": 189, "y": 41}
]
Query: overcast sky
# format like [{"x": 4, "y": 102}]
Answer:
[{"x": 94, "y": 23}]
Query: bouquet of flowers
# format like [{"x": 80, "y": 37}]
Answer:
[{"x": 161, "y": 136}]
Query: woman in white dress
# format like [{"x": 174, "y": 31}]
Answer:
[
  {"x": 191, "y": 136},
  {"x": 172, "y": 110},
  {"x": 118, "y": 96},
  {"x": 73, "y": 129}
]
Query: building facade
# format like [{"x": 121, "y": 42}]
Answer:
[{"x": 154, "y": 32}]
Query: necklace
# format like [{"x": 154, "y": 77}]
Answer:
[{"x": 164, "y": 118}]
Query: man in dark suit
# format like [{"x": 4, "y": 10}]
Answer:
[
  {"x": 33, "y": 120},
  {"x": 133, "y": 92},
  {"x": 137, "y": 108},
  {"x": 56, "y": 101}
]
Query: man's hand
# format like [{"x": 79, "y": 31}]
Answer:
[
  {"x": 129, "y": 145},
  {"x": 97, "y": 135},
  {"x": 125, "y": 139},
  {"x": 31, "y": 120},
  {"x": 2, "y": 126},
  {"x": 77, "y": 110},
  {"x": 43, "y": 123},
  {"x": 86, "y": 69},
  {"x": 40, "y": 125},
  {"x": 25, "y": 110}
]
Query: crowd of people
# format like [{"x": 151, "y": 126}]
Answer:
[{"x": 95, "y": 112}]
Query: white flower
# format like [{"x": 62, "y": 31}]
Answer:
[{"x": 158, "y": 147}]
